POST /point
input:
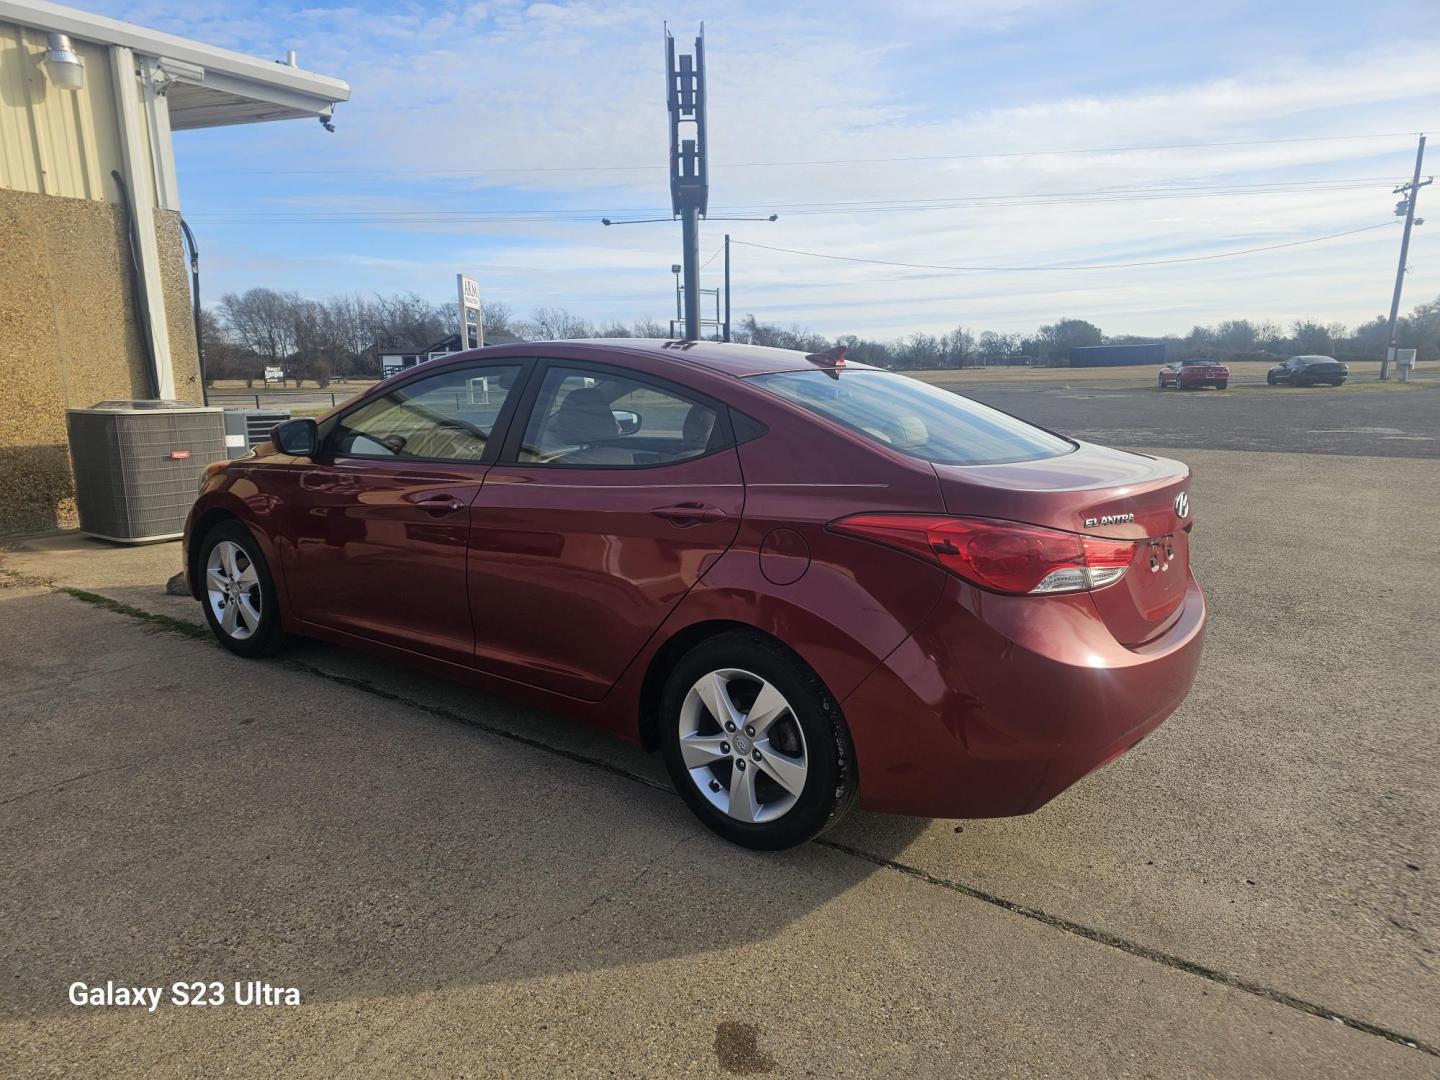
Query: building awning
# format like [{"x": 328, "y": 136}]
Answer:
[{"x": 209, "y": 86}]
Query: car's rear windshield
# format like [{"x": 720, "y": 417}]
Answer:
[{"x": 915, "y": 418}]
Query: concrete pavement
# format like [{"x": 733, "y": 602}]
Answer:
[{"x": 461, "y": 887}]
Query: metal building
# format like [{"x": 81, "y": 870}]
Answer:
[{"x": 94, "y": 297}]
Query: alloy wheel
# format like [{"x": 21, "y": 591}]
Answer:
[
  {"x": 742, "y": 745},
  {"x": 232, "y": 588}
]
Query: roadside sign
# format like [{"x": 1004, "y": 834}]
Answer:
[{"x": 472, "y": 326}]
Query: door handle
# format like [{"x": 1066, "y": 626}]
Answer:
[
  {"x": 689, "y": 514},
  {"x": 440, "y": 504}
]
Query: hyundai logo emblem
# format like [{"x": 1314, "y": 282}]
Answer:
[{"x": 1182, "y": 504}]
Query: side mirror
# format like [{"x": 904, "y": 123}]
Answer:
[
  {"x": 300, "y": 438},
  {"x": 628, "y": 422}
]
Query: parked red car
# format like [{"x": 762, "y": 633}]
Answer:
[
  {"x": 1184, "y": 374},
  {"x": 803, "y": 581}
]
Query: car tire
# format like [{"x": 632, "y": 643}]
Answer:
[
  {"x": 731, "y": 777},
  {"x": 1160, "y": 381},
  {"x": 1270, "y": 379},
  {"x": 1222, "y": 384},
  {"x": 237, "y": 592}
]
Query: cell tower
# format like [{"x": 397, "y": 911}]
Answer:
[{"x": 689, "y": 169}]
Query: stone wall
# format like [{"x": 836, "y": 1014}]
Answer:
[{"x": 69, "y": 338}]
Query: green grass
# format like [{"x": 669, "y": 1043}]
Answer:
[{"x": 167, "y": 623}]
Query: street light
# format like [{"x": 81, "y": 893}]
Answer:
[{"x": 62, "y": 65}]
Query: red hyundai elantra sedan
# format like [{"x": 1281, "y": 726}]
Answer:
[{"x": 805, "y": 582}]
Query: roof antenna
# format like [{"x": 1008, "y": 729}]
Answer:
[{"x": 832, "y": 359}]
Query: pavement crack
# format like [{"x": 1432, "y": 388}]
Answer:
[
  {"x": 589, "y": 906},
  {"x": 1134, "y": 948}
]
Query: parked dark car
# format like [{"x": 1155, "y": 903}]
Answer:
[
  {"x": 1309, "y": 371},
  {"x": 805, "y": 582},
  {"x": 1183, "y": 374}
]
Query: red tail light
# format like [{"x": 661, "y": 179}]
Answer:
[{"x": 1005, "y": 556}]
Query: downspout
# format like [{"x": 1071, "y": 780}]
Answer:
[
  {"x": 142, "y": 315},
  {"x": 195, "y": 290}
]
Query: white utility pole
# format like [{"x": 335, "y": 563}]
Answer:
[{"x": 1409, "y": 191}]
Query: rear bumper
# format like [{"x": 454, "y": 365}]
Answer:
[{"x": 993, "y": 717}]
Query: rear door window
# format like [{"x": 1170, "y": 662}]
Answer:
[
  {"x": 598, "y": 418},
  {"x": 915, "y": 418}
]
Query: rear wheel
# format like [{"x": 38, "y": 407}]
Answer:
[
  {"x": 238, "y": 593},
  {"x": 755, "y": 744}
]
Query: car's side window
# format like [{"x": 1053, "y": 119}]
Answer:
[
  {"x": 600, "y": 418},
  {"x": 447, "y": 417}
]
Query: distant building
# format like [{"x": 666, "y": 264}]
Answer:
[
  {"x": 94, "y": 290},
  {"x": 1117, "y": 355},
  {"x": 399, "y": 355}
]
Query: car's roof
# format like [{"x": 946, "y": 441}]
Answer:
[{"x": 725, "y": 358}]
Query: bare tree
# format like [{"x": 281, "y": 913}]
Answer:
[
  {"x": 261, "y": 320},
  {"x": 555, "y": 324},
  {"x": 497, "y": 318}
]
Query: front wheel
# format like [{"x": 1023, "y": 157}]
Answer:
[
  {"x": 1160, "y": 381},
  {"x": 755, "y": 744},
  {"x": 1222, "y": 384},
  {"x": 238, "y": 592},
  {"x": 1270, "y": 379}
]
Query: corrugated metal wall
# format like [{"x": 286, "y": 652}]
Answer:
[{"x": 54, "y": 141}]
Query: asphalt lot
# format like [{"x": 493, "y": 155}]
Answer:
[
  {"x": 462, "y": 887},
  {"x": 1312, "y": 420}
]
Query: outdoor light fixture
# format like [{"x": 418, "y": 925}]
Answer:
[{"x": 62, "y": 65}]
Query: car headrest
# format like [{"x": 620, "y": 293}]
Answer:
[
  {"x": 910, "y": 432},
  {"x": 584, "y": 417},
  {"x": 699, "y": 422}
]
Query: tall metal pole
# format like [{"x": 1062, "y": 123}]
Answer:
[
  {"x": 689, "y": 171},
  {"x": 725, "y": 335},
  {"x": 690, "y": 240},
  {"x": 1410, "y": 194}
]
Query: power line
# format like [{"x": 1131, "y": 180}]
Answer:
[
  {"x": 712, "y": 258},
  {"x": 854, "y": 206},
  {"x": 1146, "y": 148},
  {"x": 1094, "y": 266}
]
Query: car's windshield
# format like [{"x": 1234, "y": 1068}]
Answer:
[{"x": 916, "y": 418}]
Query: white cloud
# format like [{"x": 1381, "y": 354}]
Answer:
[{"x": 512, "y": 84}]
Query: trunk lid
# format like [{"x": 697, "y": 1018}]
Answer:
[{"x": 1100, "y": 492}]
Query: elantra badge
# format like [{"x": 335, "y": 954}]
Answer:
[
  {"x": 1109, "y": 519},
  {"x": 1182, "y": 504}
]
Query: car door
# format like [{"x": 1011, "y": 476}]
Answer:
[
  {"x": 382, "y": 522},
  {"x": 614, "y": 494}
]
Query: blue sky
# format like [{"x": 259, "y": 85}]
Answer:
[{"x": 491, "y": 138}]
